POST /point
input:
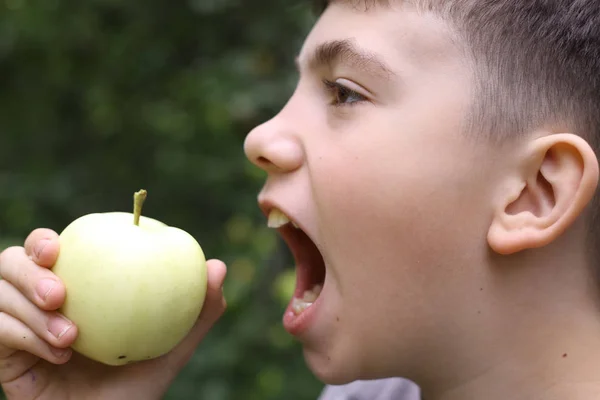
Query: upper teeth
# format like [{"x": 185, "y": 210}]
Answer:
[{"x": 277, "y": 219}]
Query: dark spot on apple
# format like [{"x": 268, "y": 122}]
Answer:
[{"x": 122, "y": 357}]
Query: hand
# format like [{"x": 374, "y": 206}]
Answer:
[{"x": 35, "y": 359}]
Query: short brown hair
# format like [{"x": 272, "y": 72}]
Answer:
[{"x": 536, "y": 65}]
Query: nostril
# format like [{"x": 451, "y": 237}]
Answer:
[
  {"x": 277, "y": 156},
  {"x": 263, "y": 162}
]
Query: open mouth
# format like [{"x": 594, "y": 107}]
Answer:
[{"x": 310, "y": 266}]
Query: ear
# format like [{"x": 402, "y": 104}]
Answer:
[{"x": 547, "y": 193}]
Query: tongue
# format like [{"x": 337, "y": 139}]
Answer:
[{"x": 309, "y": 297}]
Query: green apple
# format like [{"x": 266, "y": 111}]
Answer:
[{"x": 134, "y": 286}]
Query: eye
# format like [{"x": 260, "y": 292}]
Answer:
[{"x": 342, "y": 95}]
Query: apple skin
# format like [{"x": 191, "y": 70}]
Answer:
[{"x": 134, "y": 292}]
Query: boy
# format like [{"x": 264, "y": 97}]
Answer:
[{"x": 434, "y": 175}]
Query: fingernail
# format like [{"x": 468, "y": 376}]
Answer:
[
  {"x": 39, "y": 247},
  {"x": 59, "y": 352},
  {"x": 44, "y": 287},
  {"x": 59, "y": 325}
]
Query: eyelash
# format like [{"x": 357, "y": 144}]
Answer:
[{"x": 338, "y": 90}]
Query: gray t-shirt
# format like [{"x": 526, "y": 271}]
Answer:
[{"x": 378, "y": 389}]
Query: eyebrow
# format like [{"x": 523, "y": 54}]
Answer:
[{"x": 334, "y": 52}]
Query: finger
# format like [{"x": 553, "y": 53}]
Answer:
[
  {"x": 14, "y": 335},
  {"x": 51, "y": 326},
  {"x": 38, "y": 284},
  {"x": 42, "y": 246}
]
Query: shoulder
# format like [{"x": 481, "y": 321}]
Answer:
[{"x": 379, "y": 389}]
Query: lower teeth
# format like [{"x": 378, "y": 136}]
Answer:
[{"x": 307, "y": 300}]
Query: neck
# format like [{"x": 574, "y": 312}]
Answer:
[
  {"x": 535, "y": 334},
  {"x": 554, "y": 366}
]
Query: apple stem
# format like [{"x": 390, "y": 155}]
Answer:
[{"x": 138, "y": 202}]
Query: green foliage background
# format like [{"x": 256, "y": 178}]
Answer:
[{"x": 99, "y": 98}]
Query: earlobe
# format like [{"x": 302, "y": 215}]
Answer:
[{"x": 545, "y": 195}]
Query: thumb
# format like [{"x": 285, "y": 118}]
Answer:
[{"x": 214, "y": 304}]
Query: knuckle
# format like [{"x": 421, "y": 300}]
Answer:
[
  {"x": 10, "y": 253},
  {"x": 4, "y": 286},
  {"x": 6, "y": 293},
  {"x": 4, "y": 321},
  {"x": 7, "y": 298}
]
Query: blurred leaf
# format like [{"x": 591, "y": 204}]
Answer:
[{"x": 271, "y": 381}]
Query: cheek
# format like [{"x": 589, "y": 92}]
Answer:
[
  {"x": 387, "y": 221},
  {"x": 399, "y": 234},
  {"x": 369, "y": 218}
]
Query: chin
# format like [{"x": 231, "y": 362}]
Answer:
[
  {"x": 332, "y": 370},
  {"x": 341, "y": 367}
]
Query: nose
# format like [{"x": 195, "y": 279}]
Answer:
[{"x": 274, "y": 147}]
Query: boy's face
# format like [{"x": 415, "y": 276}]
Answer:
[{"x": 382, "y": 181}]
